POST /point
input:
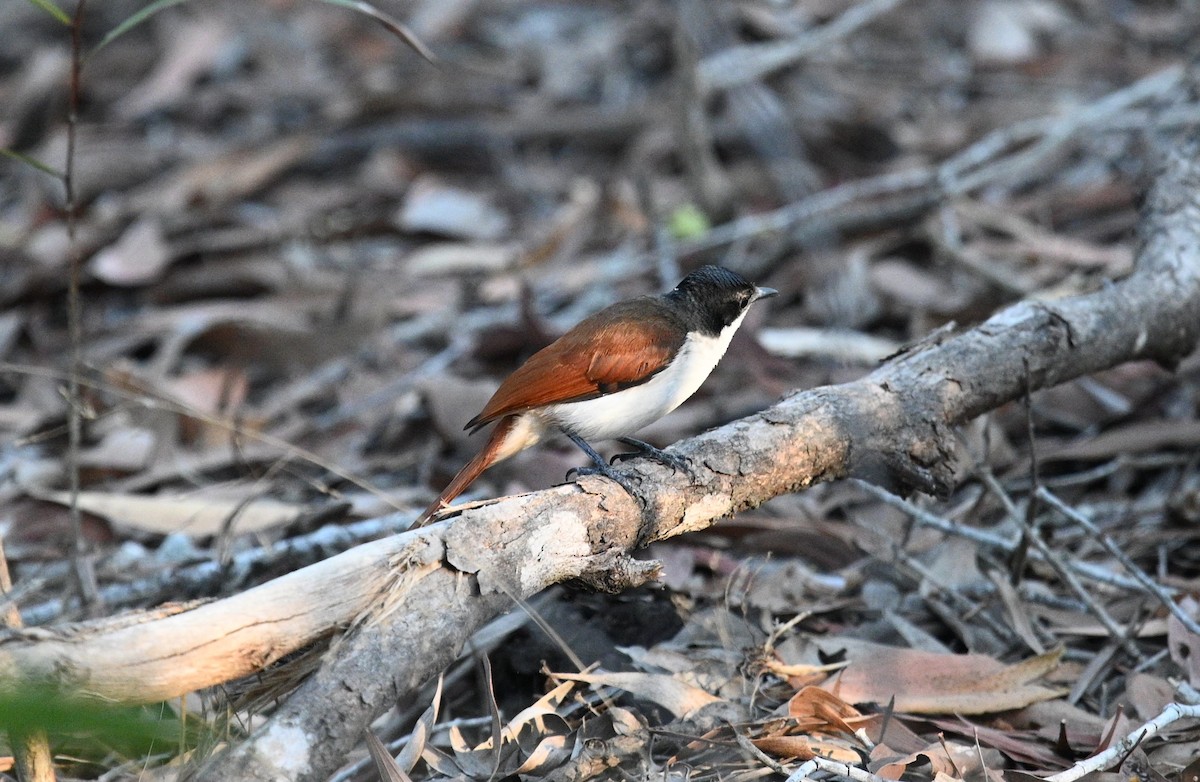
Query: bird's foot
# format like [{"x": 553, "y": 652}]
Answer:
[
  {"x": 601, "y": 467},
  {"x": 618, "y": 477},
  {"x": 677, "y": 463}
]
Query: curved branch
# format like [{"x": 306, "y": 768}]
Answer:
[
  {"x": 414, "y": 599},
  {"x": 896, "y": 422}
]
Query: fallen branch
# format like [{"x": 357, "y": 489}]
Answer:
[
  {"x": 413, "y": 599},
  {"x": 1174, "y": 712},
  {"x": 896, "y": 424}
]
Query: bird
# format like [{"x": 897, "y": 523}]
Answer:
[{"x": 613, "y": 373}]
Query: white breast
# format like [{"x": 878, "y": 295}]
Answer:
[{"x": 624, "y": 412}]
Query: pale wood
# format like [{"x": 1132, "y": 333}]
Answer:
[
  {"x": 148, "y": 656},
  {"x": 414, "y": 599},
  {"x": 895, "y": 425}
]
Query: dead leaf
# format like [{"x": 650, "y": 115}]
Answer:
[
  {"x": 564, "y": 233},
  {"x": 1148, "y": 694},
  {"x": 448, "y": 398},
  {"x": 194, "y": 47},
  {"x": 440, "y": 762},
  {"x": 1020, "y": 745},
  {"x": 193, "y": 514},
  {"x": 815, "y": 709},
  {"x": 126, "y": 449},
  {"x": 459, "y": 257},
  {"x": 219, "y": 180},
  {"x": 1088, "y": 627},
  {"x": 786, "y": 747},
  {"x": 949, "y": 758},
  {"x": 679, "y": 698},
  {"x": 911, "y": 286},
  {"x": 550, "y": 753},
  {"x": 1183, "y": 643},
  {"x": 210, "y": 390},
  {"x": 137, "y": 258},
  {"x": 1140, "y": 437},
  {"x": 385, "y": 764},
  {"x": 837, "y": 344},
  {"x": 434, "y": 207},
  {"x": 1019, "y": 616},
  {"x": 422, "y": 730},
  {"x": 807, "y": 747},
  {"x": 536, "y": 713},
  {"x": 1050, "y": 719},
  {"x": 476, "y": 763},
  {"x": 11, "y": 325},
  {"x": 1003, "y": 32},
  {"x": 625, "y": 722},
  {"x": 536, "y": 738},
  {"x": 801, "y": 675},
  {"x": 899, "y": 736},
  {"x": 931, "y": 683},
  {"x": 35, "y": 530}
]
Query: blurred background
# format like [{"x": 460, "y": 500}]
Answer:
[{"x": 309, "y": 256}]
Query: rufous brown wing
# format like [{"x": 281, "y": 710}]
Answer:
[{"x": 619, "y": 347}]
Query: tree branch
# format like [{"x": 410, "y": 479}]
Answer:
[
  {"x": 412, "y": 600},
  {"x": 896, "y": 423}
]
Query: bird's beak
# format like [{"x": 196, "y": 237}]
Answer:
[{"x": 764, "y": 293}]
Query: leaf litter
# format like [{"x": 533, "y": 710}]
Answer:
[{"x": 306, "y": 272}]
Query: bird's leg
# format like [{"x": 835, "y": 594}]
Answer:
[
  {"x": 600, "y": 467},
  {"x": 641, "y": 448}
]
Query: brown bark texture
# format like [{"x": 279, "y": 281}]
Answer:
[{"x": 408, "y": 603}]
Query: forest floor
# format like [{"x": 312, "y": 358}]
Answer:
[{"x": 310, "y": 255}]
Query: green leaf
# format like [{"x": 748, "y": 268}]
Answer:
[
  {"x": 53, "y": 10},
  {"x": 32, "y": 162},
  {"x": 688, "y": 222},
  {"x": 399, "y": 29},
  {"x": 89, "y": 728},
  {"x": 133, "y": 21}
]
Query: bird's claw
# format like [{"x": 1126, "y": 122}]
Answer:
[
  {"x": 620, "y": 478},
  {"x": 675, "y": 462}
]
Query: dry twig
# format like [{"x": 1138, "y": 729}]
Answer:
[
  {"x": 1148, "y": 584},
  {"x": 740, "y": 64},
  {"x": 1170, "y": 715}
]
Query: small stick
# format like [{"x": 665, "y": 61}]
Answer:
[
  {"x": 85, "y": 574},
  {"x": 1172, "y": 713},
  {"x": 818, "y": 763},
  {"x": 1064, "y": 572},
  {"x": 741, "y": 64},
  {"x": 928, "y": 519},
  {"x": 1151, "y": 586}
]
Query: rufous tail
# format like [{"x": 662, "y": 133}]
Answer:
[{"x": 487, "y": 456}]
